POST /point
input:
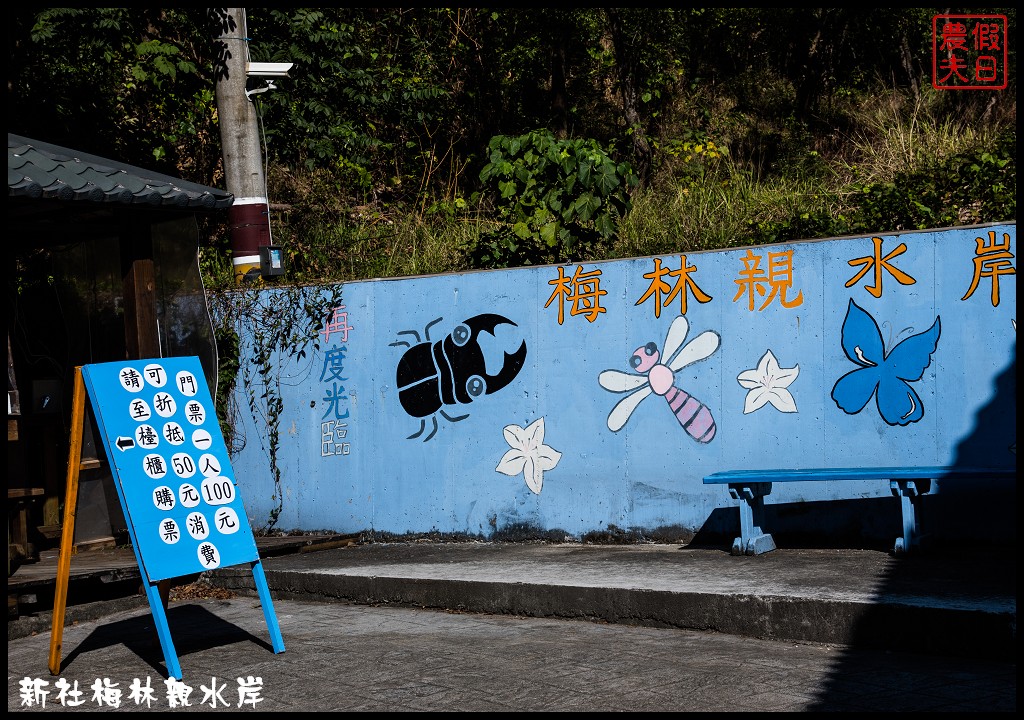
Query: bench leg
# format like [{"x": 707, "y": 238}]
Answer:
[
  {"x": 752, "y": 540},
  {"x": 909, "y": 492}
]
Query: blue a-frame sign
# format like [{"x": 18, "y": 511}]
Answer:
[{"x": 174, "y": 479}]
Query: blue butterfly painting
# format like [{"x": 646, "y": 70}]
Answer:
[{"x": 885, "y": 375}]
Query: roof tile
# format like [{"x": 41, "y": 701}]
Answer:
[{"x": 40, "y": 170}]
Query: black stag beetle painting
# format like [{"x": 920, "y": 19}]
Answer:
[{"x": 451, "y": 371}]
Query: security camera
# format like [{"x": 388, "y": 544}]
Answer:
[{"x": 268, "y": 69}]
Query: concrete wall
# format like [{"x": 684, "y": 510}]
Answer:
[{"x": 893, "y": 349}]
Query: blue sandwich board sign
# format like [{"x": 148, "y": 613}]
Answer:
[{"x": 173, "y": 477}]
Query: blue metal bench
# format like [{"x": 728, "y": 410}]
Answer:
[{"x": 907, "y": 483}]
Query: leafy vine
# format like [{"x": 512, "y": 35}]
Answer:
[{"x": 259, "y": 332}]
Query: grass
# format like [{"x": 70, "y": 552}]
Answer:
[{"x": 898, "y": 134}]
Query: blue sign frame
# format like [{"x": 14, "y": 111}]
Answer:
[{"x": 173, "y": 477}]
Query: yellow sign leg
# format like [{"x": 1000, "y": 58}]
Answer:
[{"x": 68, "y": 533}]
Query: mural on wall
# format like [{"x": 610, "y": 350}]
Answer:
[
  {"x": 885, "y": 375},
  {"x": 528, "y": 454},
  {"x": 451, "y": 371},
  {"x": 768, "y": 383},
  {"x": 764, "y": 357},
  {"x": 659, "y": 377}
]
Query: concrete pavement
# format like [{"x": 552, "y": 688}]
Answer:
[{"x": 565, "y": 627}]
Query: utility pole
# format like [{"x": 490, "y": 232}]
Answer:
[{"x": 249, "y": 216}]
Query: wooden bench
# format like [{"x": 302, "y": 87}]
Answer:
[{"x": 907, "y": 483}]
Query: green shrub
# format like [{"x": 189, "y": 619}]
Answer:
[{"x": 554, "y": 199}]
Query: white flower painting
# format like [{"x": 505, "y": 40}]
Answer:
[
  {"x": 528, "y": 454},
  {"x": 768, "y": 383}
]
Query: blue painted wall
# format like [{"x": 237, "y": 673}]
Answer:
[{"x": 892, "y": 349}]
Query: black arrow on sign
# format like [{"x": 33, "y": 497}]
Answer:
[{"x": 125, "y": 443}]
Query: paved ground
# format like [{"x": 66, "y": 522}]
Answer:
[{"x": 525, "y": 627}]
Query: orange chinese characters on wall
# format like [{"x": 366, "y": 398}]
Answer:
[
  {"x": 582, "y": 291},
  {"x": 684, "y": 284},
  {"x": 878, "y": 262},
  {"x": 779, "y": 280},
  {"x": 991, "y": 260}
]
